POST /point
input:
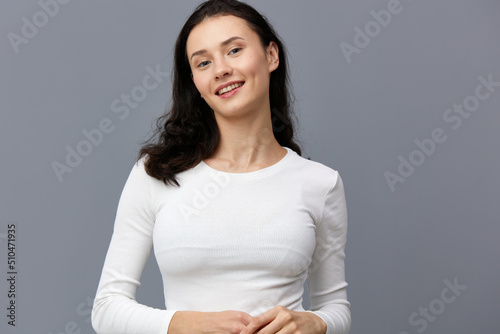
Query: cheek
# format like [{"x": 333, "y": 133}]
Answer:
[
  {"x": 257, "y": 66},
  {"x": 199, "y": 83},
  {"x": 254, "y": 65}
]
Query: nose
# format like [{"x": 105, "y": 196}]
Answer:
[{"x": 222, "y": 69}]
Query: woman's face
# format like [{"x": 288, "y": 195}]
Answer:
[{"x": 224, "y": 51}]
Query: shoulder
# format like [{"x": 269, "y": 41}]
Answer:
[
  {"x": 315, "y": 172},
  {"x": 141, "y": 162},
  {"x": 139, "y": 175},
  {"x": 139, "y": 166}
]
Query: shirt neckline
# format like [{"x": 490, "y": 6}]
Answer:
[{"x": 259, "y": 172}]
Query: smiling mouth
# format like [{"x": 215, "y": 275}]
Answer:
[{"x": 229, "y": 88}]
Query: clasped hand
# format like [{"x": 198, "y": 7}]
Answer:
[{"x": 280, "y": 320}]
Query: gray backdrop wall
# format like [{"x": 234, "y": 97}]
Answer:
[{"x": 402, "y": 97}]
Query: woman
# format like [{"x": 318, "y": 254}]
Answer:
[{"x": 250, "y": 221}]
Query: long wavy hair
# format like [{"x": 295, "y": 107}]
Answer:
[{"x": 188, "y": 133}]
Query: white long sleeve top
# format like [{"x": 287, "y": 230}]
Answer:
[{"x": 228, "y": 241}]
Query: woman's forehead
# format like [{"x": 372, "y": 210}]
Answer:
[{"x": 215, "y": 30}]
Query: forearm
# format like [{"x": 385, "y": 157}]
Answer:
[{"x": 121, "y": 315}]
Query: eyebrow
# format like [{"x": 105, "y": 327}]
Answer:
[{"x": 224, "y": 43}]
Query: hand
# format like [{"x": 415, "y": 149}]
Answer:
[
  {"x": 225, "y": 322},
  {"x": 280, "y": 320}
]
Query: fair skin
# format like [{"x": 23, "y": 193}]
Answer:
[
  {"x": 221, "y": 50},
  {"x": 247, "y": 142}
]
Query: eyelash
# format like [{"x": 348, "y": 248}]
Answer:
[
  {"x": 235, "y": 49},
  {"x": 203, "y": 62}
]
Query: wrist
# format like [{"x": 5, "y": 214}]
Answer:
[
  {"x": 320, "y": 324},
  {"x": 185, "y": 322}
]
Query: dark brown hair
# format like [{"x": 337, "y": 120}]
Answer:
[{"x": 188, "y": 133}]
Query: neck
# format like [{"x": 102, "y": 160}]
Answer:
[{"x": 247, "y": 142}]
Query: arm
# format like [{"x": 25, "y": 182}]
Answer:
[
  {"x": 326, "y": 281},
  {"x": 115, "y": 309}
]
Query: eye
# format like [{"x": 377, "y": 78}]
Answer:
[
  {"x": 203, "y": 64},
  {"x": 236, "y": 50}
]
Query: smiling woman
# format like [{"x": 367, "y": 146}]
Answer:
[
  {"x": 234, "y": 58},
  {"x": 253, "y": 220}
]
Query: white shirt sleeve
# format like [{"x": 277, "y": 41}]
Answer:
[
  {"x": 326, "y": 276},
  {"x": 115, "y": 309}
]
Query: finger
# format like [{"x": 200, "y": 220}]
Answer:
[
  {"x": 247, "y": 318},
  {"x": 279, "y": 323},
  {"x": 274, "y": 327},
  {"x": 259, "y": 321},
  {"x": 268, "y": 322}
]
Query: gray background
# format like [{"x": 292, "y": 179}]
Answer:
[{"x": 358, "y": 117}]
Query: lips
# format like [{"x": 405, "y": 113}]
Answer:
[{"x": 227, "y": 87}]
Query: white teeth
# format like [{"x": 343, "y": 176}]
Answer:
[{"x": 229, "y": 88}]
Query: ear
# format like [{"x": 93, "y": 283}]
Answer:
[{"x": 272, "y": 56}]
